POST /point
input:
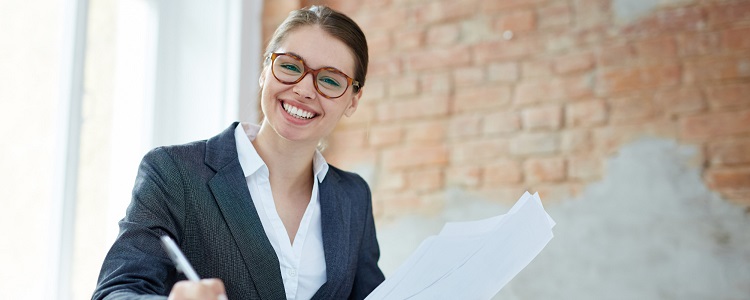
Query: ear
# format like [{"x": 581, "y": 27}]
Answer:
[{"x": 353, "y": 104}]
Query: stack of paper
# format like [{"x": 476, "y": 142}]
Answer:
[{"x": 472, "y": 260}]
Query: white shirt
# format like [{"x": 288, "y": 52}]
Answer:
[{"x": 303, "y": 266}]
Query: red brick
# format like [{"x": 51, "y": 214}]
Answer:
[
  {"x": 616, "y": 55},
  {"x": 348, "y": 159},
  {"x": 397, "y": 204},
  {"x": 740, "y": 196},
  {"x": 481, "y": 98},
  {"x": 591, "y": 13},
  {"x": 463, "y": 126},
  {"x": 425, "y": 180},
  {"x": 347, "y": 7},
  {"x": 535, "y": 143},
  {"x": 729, "y": 95},
  {"x": 715, "y": 125},
  {"x": 502, "y": 172},
  {"x": 716, "y": 68},
  {"x": 638, "y": 77},
  {"x": 385, "y": 65},
  {"x": 575, "y": 62},
  {"x": 585, "y": 167},
  {"x": 537, "y": 68},
  {"x": 426, "y": 132},
  {"x": 436, "y": 83},
  {"x": 386, "y": 20},
  {"x": 679, "y": 101},
  {"x": 732, "y": 178},
  {"x": 561, "y": 88},
  {"x": 463, "y": 176},
  {"x": 423, "y": 107},
  {"x": 378, "y": 43},
  {"x": 395, "y": 181},
  {"x": 517, "y": 21},
  {"x": 542, "y": 117},
  {"x": 656, "y": 48},
  {"x": 729, "y": 12},
  {"x": 479, "y": 151},
  {"x": 443, "y": 35},
  {"x": 608, "y": 140},
  {"x": 501, "y": 122},
  {"x": 529, "y": 92},
  {"x": 576, "y": 141},
  {"x": 347, "y": 139},
  {"x": 698, "y": 43},
  {"x": 497, "y": 6},
  {"x": 691, "y": 18},
  {"x": 544, "y": 169},
  {"x": 729, "y": 152},
  {"x": 408, "y": 38},
  {"x": 438, "y": 58},
  {"x": 373, "y": 90},
  {"x": 555, "y": 15},
  {"x": 503, "y": 50},
  {"x": 443, "y": 10},
  {"x": 469, "y": 76},
  {"x": 631, "y": 109},
  {"x": 503, "y": 72},
  {"x": 587, "y": 113},
  {"x": 384, "y": 136},
  {"x": 403, "y": 86},
  {"x": 736, "y": 39},
  {"x": 415, "y": 156}
]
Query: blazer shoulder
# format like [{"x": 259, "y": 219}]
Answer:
[
  {"x": 179, "y": 154},
  {"x": 346, "y": 177}
]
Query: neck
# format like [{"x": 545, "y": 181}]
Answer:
[{"x": 290, "y": 163}]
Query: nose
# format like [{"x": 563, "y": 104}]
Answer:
[{"x": 305, "y": 87}]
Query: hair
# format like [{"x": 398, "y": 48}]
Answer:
[{"x": 332, "y": 22}]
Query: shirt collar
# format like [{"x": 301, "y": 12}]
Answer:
[{"x": 251, "y": 162}]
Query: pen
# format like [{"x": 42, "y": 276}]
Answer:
[{"x": 179, "y": 259}]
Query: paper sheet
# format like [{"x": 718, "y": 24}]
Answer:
[{"x": 474, "y": 259}]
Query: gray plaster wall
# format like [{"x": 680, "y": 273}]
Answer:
[{"x": 650, "y": 229}]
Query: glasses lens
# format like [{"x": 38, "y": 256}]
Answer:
[
  {"x": 287, "y": 69},
  {"x": 331, "y": 83}
]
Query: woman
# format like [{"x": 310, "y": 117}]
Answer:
[{"x": 257, "y": 208}]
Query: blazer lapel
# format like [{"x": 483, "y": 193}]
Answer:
[
  {"x": 335, "y": 213},
  {"x": 231, "y": 193}
]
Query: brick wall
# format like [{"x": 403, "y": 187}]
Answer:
[{"x": 498, "y": 97}]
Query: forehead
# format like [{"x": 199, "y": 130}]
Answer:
[{"x": 318, "y": 49}]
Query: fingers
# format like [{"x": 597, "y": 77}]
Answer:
[{"x": 206, "y": 289}]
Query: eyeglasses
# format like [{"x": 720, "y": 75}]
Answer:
[{"x": 329, "y": 82}]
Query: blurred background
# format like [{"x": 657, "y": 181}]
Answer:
[{"x": 631, "y": 118}]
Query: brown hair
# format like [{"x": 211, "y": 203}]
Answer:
[{"x": 334, "y": 23}]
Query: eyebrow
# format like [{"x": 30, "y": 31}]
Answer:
[{"x": 323, "y": 67}]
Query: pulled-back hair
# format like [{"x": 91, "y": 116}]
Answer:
[{"x": 334, "y": 23}]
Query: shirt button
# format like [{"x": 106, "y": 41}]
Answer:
[{"x": 292, "y": 272}]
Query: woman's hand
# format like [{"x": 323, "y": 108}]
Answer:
[{"x": 206, "y": 289}]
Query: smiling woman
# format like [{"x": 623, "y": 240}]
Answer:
[{"x": 257, "y": 208}]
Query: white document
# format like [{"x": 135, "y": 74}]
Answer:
[{"x": 472, "y": 260}]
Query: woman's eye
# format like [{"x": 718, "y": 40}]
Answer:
[
  {"x": 291, "y": 67},
  {"x": 330, "y": 81}
]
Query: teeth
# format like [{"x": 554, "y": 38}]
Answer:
[{"x": 297, "y": 112}]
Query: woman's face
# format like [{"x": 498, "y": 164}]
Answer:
[{"x": 297, "y": 111}]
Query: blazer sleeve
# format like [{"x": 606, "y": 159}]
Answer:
[
  {"x": 136, "y": 267},
  {"x": 368, "y": 275}
]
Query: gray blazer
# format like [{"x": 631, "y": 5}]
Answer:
[{"x": 196, "y": 193}]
